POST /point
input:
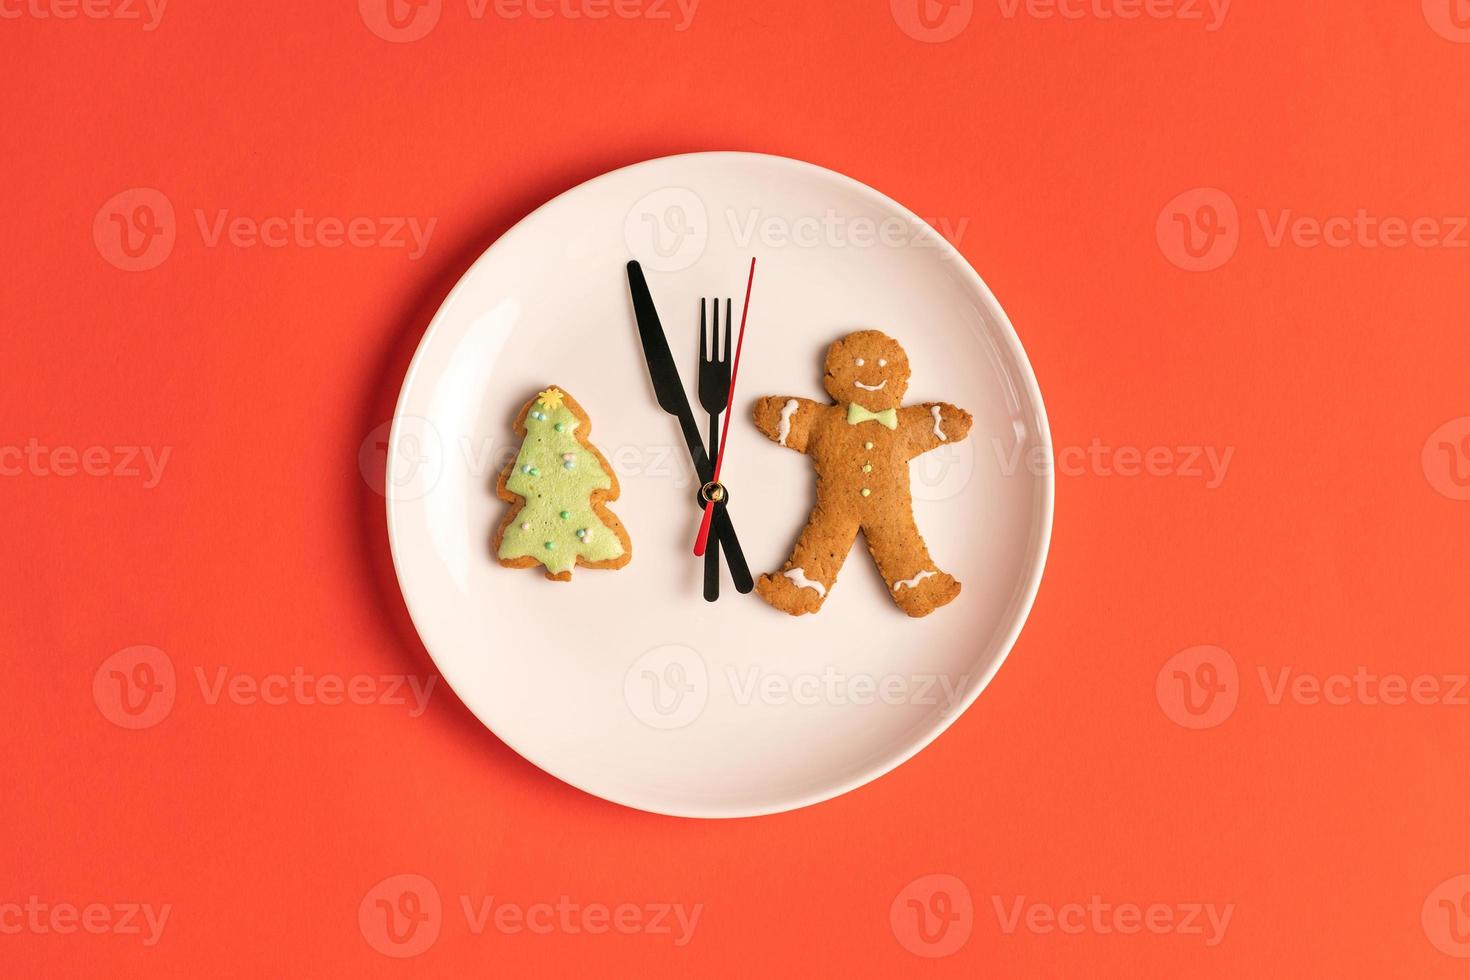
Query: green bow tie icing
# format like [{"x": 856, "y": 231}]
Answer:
[{"x": 888, "y": 418}]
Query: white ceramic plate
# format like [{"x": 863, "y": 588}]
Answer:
[{"x": 627, "y": 683}]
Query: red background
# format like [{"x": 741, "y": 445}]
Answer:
[{"x": 1327, "y": 547}]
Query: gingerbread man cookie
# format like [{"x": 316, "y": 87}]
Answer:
[{"x": 861, "y": 447}]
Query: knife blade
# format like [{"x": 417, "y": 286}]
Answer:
[{"x": 667, "y": 385}]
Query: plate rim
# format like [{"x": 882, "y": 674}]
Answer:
[{"x": 1031, "y": 588}]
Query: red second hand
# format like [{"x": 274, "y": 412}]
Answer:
[{"x": 702, "y": 539}]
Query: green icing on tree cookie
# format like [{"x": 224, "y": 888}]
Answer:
[{"x": 557, "y": 475}]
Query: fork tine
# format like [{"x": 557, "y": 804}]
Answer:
[
  {"x": 703, "y": 344},
  {"x": 729, "y": 323}
]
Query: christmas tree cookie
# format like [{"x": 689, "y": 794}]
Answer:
[{"x": 557, "y": 484}]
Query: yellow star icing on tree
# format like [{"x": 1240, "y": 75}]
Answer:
[{"x": 551, "y": 398}]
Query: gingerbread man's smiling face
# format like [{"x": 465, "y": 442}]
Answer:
[{"x": 867, "y": 367}]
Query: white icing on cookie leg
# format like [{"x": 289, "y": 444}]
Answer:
[
  {"x": 784, "y": 429},
  {"x": 934, "y": 411},
  {"x": 798, "y": 576},
  {"x": 910, "y": 582}
]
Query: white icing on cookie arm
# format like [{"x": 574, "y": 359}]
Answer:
[
  {"x": 783, "y": 428},
  {"x": 798, "y": 576},
  {"x": 785, "y": 421},
  {"x": 933, "y": 424},
  {"x": 909, "y": 583}
]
